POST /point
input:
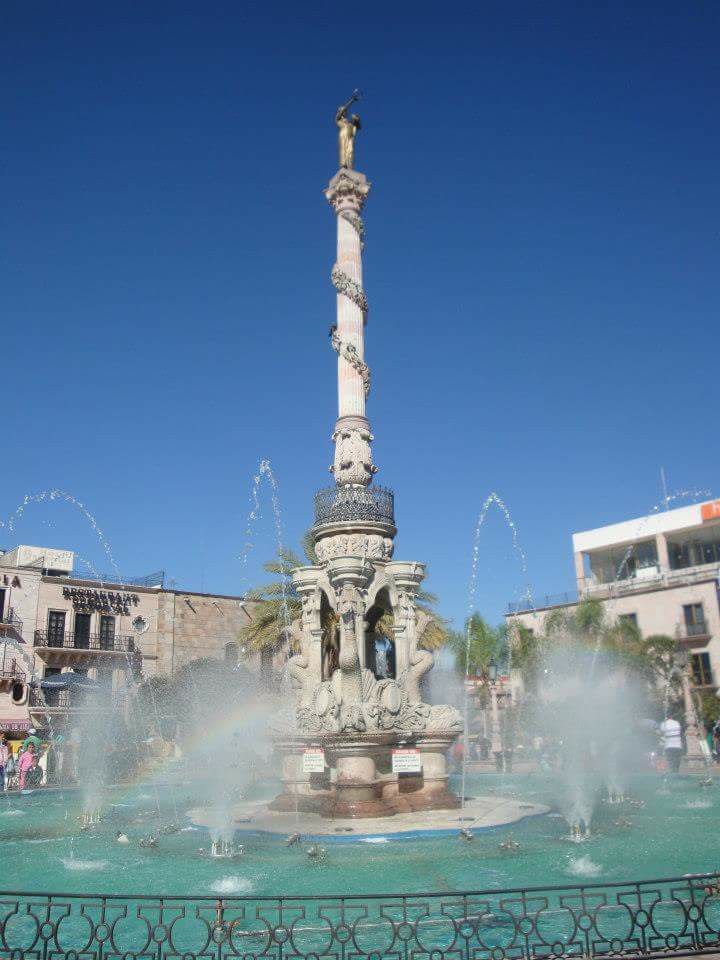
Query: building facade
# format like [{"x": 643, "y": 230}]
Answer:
[
  {"x": 661, "y": 571},
  {"x": 53, "y": 621}
]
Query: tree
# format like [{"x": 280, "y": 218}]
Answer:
[
  {"x": 477, "y": 646},
  {"x": 527, "y": 651},
  {"x": 589, "y": 624}
]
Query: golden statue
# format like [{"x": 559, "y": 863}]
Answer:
[{"x": 347, "y": 128}]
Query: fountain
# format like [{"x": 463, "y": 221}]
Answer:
[{"x": 365, "y": 744}]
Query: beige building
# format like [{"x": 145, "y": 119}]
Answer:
[
  {"x": 661, "y": 571},
  {"x": 53, "y": 620}
]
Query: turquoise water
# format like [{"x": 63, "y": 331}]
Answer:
[{"x": 43, "y": 849}]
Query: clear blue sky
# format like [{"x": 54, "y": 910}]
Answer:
[{"x": 542, "y": 269}]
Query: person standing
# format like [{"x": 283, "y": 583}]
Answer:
[
  {"x": 26, "y": 763},
  {"x": 32, "y": 738},
  {"x": 4, "y": 757},
  {"x": 671, "y": 737}
]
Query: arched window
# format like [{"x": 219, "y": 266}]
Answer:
[{"x": 379, "y": 641}]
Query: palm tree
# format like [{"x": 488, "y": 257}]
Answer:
[
  {"x": 651, "y": 659},
  {"x": 477, "y": 646},
  {"x": 278, "y": 605},
  {"x": 527, "y": 652},
  {"x": 589, "y": 624}
]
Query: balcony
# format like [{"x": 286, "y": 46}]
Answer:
[
  {"x": 56, "y": 702},
  {"x": 10, "y": 673},
  {"x": 11, "y": 625},
  {"x": 653, "y": 578},
  {"x": 67, "y": 649},
  {"x": 692, "y": 635}
]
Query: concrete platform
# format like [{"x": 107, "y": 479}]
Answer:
[{"x": 480, "y": 813}]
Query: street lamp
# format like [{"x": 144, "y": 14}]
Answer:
[{"x": 492, "y": 671}]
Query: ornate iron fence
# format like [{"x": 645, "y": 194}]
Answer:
[
  {"x": 334, "y": 504},
  {"x": 539, "y": 603},
  {"x": 92, "y": 641},
  {"x": 656, "y": 918}
]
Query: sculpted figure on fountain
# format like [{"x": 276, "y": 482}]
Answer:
[{"x": 352, "y": 699}]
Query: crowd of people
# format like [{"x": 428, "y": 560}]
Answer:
[
  {"x": 659, "y": 746},
  {"x": 20, "y": 770}
]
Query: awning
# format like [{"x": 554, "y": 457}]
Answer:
[{"x": 69, "y": 681}]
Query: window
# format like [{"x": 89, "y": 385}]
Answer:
[
  {"x": 107, "y": 632},
  {"x": 231, "y": 654},
  {"x": 694, "y": 619},
  {"x": 701, "y": 670},
  {"x": 629, "y": 618},
  {"x": 81, "y": 637},
  {"x": 693, "y": 553},
  {"x": 56, "y": 628}
]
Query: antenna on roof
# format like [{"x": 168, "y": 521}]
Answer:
[{"x": 663, "y": 481}]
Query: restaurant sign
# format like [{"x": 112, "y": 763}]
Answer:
[{"x": 104, "y": 601}]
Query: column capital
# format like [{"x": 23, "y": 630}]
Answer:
[{"x": 347, "y": 191}]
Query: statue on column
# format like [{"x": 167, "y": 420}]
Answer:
[{"x": 347, "y": 128}]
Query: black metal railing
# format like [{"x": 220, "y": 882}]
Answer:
[
  {"x": 55, "y": 699},
  {"x": 11, "y": 670},
  {"x": 695, "y": 630},
  {"x": 338, "y": 504},
  {"x": 11, "y": 619},
  {"x": 540, "y": 603},
  {"x": 156, "y": 579},
  {"x": 91, "y": 641},
  {"x": 656, "y": 918}
]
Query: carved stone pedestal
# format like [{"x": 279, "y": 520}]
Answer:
[{"x": 359, "y": 781}]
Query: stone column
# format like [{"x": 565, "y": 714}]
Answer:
[
  {"x": 305, "y": 580},
  {"x": 346, "y": 193},
  {"x": 662, "y": 553},
  {"x": 579, "y": 571},
  {"x": 405, "y": 579}
]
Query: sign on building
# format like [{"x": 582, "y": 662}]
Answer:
[
  {"x": 406, "y": 761},
  {"x": 711, "y": 511},
  {"x": 314, "y": 761}
]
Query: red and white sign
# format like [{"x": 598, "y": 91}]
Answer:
[
  {"x": 406, "y": 761},
  {"x": 710, "y": 511},
  {"x": 314, "y": 761}
]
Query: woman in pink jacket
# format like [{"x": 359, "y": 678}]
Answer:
[{"x": 26, "y": 762}]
